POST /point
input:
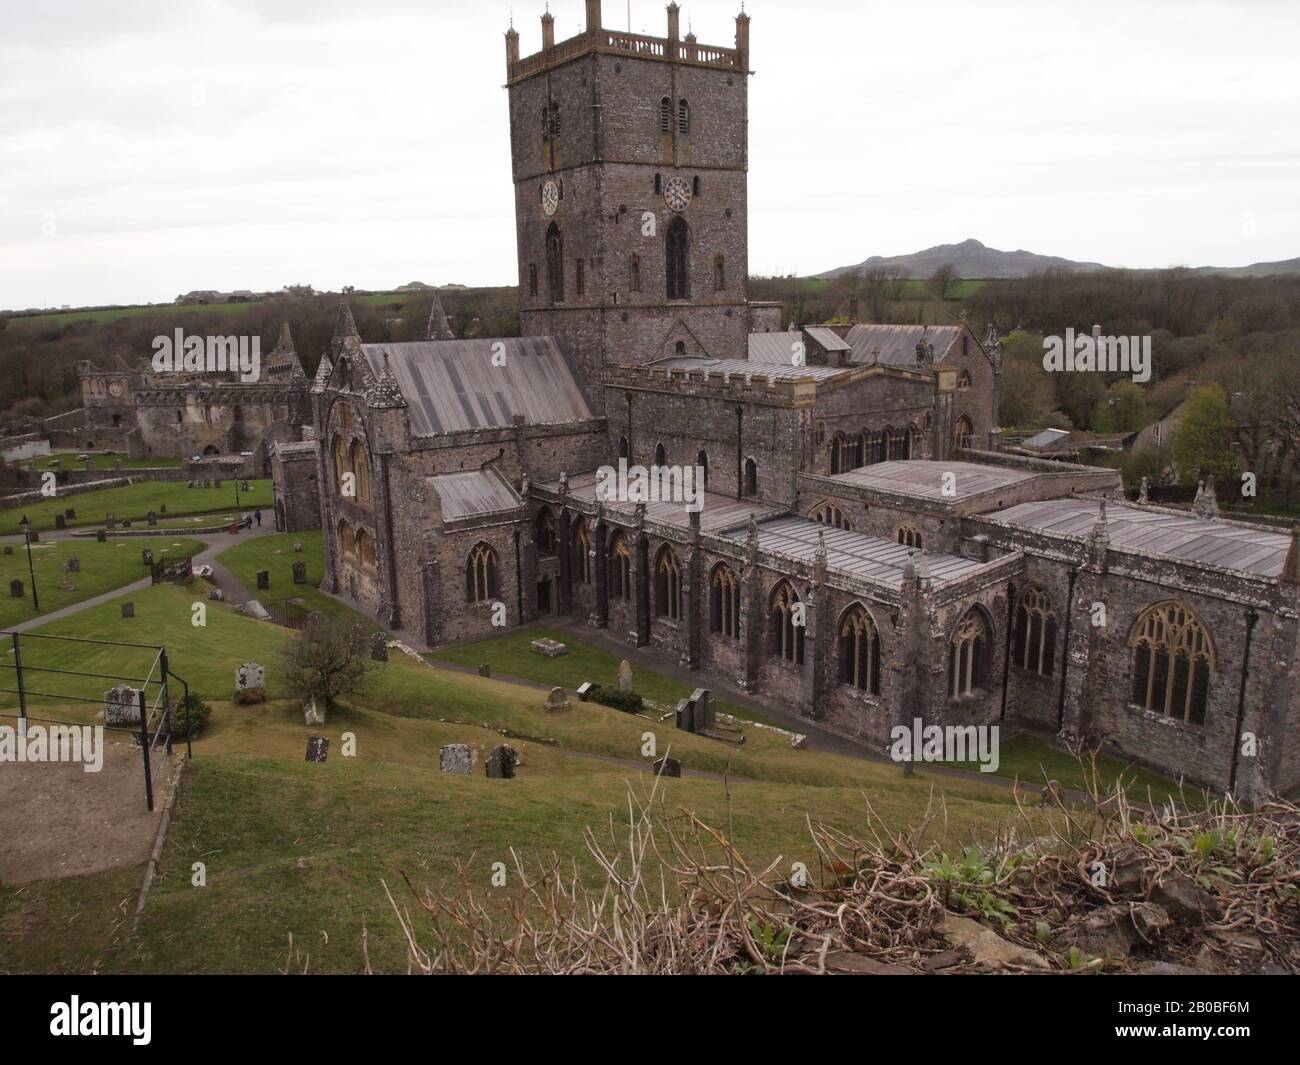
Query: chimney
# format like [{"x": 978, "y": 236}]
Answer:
[
  {"x": 512, "y": 49},
  {"x": 674, "y": 29},
  {"x": 742, "y": 40},
  {"x": 548, "y": 31},
  {"x": 593, "y": 17}
]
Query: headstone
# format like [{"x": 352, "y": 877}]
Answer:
[
  {"x": 73, "y": 564},
  {"x": 128, "y": 610},
  {"x": 549, "y": 648},
  {"x": 379, "y": 646},
  {"x": 485, "y": 670},
  {"x": 243, "y": 486},
  {"x": 16, "y": 588},
  {"x": 297, "y": 549},
  {"x": 318, "y": 749},
  {"x": 456, "y": 758},
  {"x": 254, "y": 609},
  {"x": 121, "y": 706},
  {"x": 668, "y": 767},
  {"x": 9, "y": 549},
  {"x": 216, "y": 484},
  {"x": 250, "y": 683},
  {"x": 101, "y": 536},
  {"x": 586, "y": 690},
  {"x": 146, "y": 556},
  {"x": 34, "y": 536},
  {"x": 300, "y": 573},
  {"x": 625, "y": 676},
  {"x": 60, "y": 522},
  {"x": 152, "y": 518},
  {"x": 263, "y": 579},
  {"x": 67, "y": 585},
  {"x": 311, "y": 714},
  {"x": 501, "y": 763},
  {"x": 189, "y": 484},
  {"x": 704, "y": 713},
  {"x": 557, "y": 702},
  {"x": 126, "y": 523},
  {"x": 162, "y": 509},
  {"x": 216, "y": 595},
  {"x": 110, "y": 520},
  {"x": 70, "y": 513}
]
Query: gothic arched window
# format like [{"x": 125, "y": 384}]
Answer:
[
  {"x": 1034, "y": 646},
  {"x": 1173, "y": 661},
  {"x": 366, "y": 550},
  {"x": 683, "y": 117},
  {"x": 624, "y": 449},
  {"x": 555, "y": 263},
  {"x": 859, "y": 651},
  {"x": 751, "y": 477},
  {"x": 481, "y": 575},
  {"x": 830, "y": 514},
  {"x": 666, "y": 115},
  {"x": 724, "y": 601},
  {"x": 545, "y": 532},
  {"x": 786, "y": 623},
  {"x": 619, "y": 570},
  {"x": 910, "y": 536},
  {"x": 634, "y": 273},
  {"x": 347, "y": 543},
  {"x": 668, "y": 585},
  {"x": 720, "y": 272},
  {"x": 661, "y": 457},
  {"x": 963, "y": 433},
  {"x": 968, "y": 655},
  {"x": 679, "y": 259},
  {"x": 702, "y": 461},
  {"x": 359, "y": 460},
  {"x": 339, "y": 452}
]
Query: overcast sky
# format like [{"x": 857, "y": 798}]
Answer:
[{"x": 151, "y": 147}]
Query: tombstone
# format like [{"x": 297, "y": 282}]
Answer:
[
  {"x": 297, "y": 549},
  {"x": 501, "y": 763},
  {"x": 557, "y": 702},
  {"x": 379, "y": 646},
  {"x": 216, "y": 484},
  {"x": 456, "y": 758},
  {"x": 216, "y": 595},
  {"x": 126, "y": 523},
  {"x": 254, "y": 609},
  {"x": 549, "y": 648},
  {"x": 110, "y": 520},
  {"x": 70, "y": 514},
  {"x": 101, "y": 536},
  {"x": 300, "y": 573},
  {"x": 311, "y": 714},
  {"x": 121, "y": 706},
  {"x": 146, "y": 556},
  {"x": 67, "y": 585},
  {"x": 162, "y": 509},
  {"x": 586, "y": 690},
  {"x": 485, "y": 670},
  {"x": 250, "y": 683},
  {"x": 318, "y": 749},
  {"x": 128, "y": 610},
  {"x": 189, "y": 484},
  {"x": 16, "y": 588},
  {"x": 704, "y": 713},
  {"x": 625, "y": 676},
  {"x": 152, "y": 518},
  {"x": 73, "y": 565},
  {"x": 9, "y": 549},
  {"x": 243, "y": 486},
  {"x": 263, "y": 579},
  {"x": 668, "y": 767},
  {"x": 60, "y": 522},
  {"x": 34, "y": 536}
]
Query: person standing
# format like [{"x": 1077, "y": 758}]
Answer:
[{"x": 258, "y": 515}]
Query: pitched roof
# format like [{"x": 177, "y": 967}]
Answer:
[
  {"x": 775, "y": 348},
  {"x": 926, "y": 479},
  {"x": 745, "y": 368},
  {"x": 895, "y": 345},
  {"x": 473, "y": 493},
  {"x": 457, "y": 385},
  {"x": 1148, "y": 532}
]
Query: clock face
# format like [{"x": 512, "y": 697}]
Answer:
[
  {"x": 677, "y": 193},
  {"x": 115, "y": 389},
  {"x": 550, "y": 198}
]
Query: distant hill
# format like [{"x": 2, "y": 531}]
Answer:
[
  {"x": 1284, "y": 266},
  {"x": 971, "y": 258}
]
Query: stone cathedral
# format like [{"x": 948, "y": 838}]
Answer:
[{"x": 863, "y": 554}]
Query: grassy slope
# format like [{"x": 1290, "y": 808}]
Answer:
[
  {"x": 276, "y": 555},
  {"x": 103, "y": 568},
  {"x": 253, "y": 807},
  {"x": 134, "y": 502}
]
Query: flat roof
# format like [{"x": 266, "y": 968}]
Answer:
[{"x": 718, "y": 511}]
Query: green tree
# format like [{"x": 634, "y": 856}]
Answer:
[{"x": 1203, "y": 439}]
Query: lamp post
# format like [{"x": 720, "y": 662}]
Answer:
[{"x": 26, "y": 527}]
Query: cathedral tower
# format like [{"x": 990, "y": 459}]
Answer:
[{"x": 630, "y": 158}]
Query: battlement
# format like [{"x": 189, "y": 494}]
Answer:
[
  {"x": 761, "y": 384},
  {"x": 597, "y": 40}
]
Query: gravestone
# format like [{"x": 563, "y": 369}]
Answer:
[
  {"x": 250, "y": 683},
  {"x": 379, "y": 646},
  {"x": 485, "y": 670},
  {"x": 152, "y": 518},
  {"x": 625, "y": 676},
  {"x": 128, "y": 610},
  {"x": 243, "y": 486},
  {"x": 60, "y": 522},
  {"x": 557, "y": 702},
  {"x": 16, "y": 588},
  {"x": 73, "y": 564},
  {"x": 297, "y": 549},
  {"x": 34, "y": 536},
  {"x": 216, "y": 484},
  {"x": 695, "y": 714},
  {"x": 311, "y": 714},
  {"x": 9, "y": 549},
  {"x": 146, "y": 556},
  {"x": 216, "y": 595},
  {"x": 456, "y": 758},
  {"x": 162, "y": 509},
  {"x": 67, "y": 585},
  {"x": 586, "y": 690},
  {"x": 110, "y": 520},
  {"x": 501, "y": 763},
  {"x": 126, "y": 523},
  {"x": 189, "y": 484},
  {"x": 70, "y": 514},
  {"x": 300, "y": 573},
  {"x": 549, "y": 648},
  {"x": 263, "y": 579},
  {"x": 121, "y": 706},
  {"x": 318, "y": 749},
  {"x": 668, "y": 767}
]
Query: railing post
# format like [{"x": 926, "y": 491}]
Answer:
[
  {"x": 18, "y": 671},
  {"x": 144, "y": 747},
  {"x": 167, "y": 702}
]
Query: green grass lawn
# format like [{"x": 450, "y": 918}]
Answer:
[
  {"x": 276, "y": 555},
  {"x": 253, "y": 808},
  {"x": 103, "y": 567},
  {"x": 134, "y": 502},
  {"x": 70, "y": 461}
]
